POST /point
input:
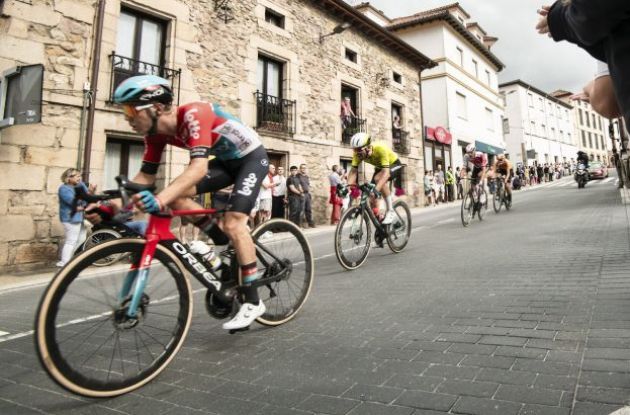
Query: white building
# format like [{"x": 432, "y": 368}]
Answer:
[
  {"x": 461, "y": 101},
  {"x": 591, "y": 129},
  {"x": 539, "y": 128}
]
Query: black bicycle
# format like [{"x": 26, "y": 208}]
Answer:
[
  {"x": 103, "y": 332},
  {"x": 500, "y": 197},
  {"x": 353, "y": 235},
  {"x": 475, "y": 202}
]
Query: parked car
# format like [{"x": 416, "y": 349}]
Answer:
[{"x": 597, "y": 170}]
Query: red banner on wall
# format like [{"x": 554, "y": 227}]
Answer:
[{"x": 439, "y": 134}]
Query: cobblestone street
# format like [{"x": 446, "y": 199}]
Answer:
[{"x": 527, "y": 312}]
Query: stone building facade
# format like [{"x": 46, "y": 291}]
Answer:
[{"x": 305, "y": 56}]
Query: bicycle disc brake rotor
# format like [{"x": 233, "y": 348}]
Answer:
[{"x": 123, "y": 321}]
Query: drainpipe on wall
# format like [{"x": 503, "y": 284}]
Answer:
[{"x": 96, "y": 56}]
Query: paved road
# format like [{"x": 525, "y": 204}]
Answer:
[{"x": 527, "y": 312}]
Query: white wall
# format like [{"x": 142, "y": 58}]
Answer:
[{"x": 537, "y": 122}]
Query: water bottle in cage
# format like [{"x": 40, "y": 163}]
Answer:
[{"x": 206, "y": 253}]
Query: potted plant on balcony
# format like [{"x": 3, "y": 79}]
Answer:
[{"x": 273, "y": 122}]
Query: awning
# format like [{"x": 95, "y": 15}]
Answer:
[{"x": 488, "y": 148}]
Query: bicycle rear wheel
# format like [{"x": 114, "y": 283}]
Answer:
[
  {"x": 284, "y": 250},
  {"x": 467, "y": 209},
  {"x": 399, "y": 230},
  {"x": 353, "y": 238},
  {"x": 83, "y": 338},
  {"x": 98, "y": 237}
]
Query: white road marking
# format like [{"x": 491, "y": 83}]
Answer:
[{"x": 3, "y": 333}]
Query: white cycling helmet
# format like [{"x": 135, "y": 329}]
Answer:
[
  {"x": 360, "y": 140},
  {"x": 470, "y": 148}
]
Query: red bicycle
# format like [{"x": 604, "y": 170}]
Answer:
[{"x": 106, "y": 331}]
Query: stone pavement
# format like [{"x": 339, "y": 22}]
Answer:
[{"x": 527, "y": 312}]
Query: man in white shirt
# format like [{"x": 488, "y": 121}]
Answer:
[
  {"x": 279, "y": 194},
  {"x": 264, "y": 207}
]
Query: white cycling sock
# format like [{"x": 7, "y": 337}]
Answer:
[{"x": 388, "y": 202}]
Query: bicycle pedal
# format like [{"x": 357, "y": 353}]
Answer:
[{"x": 237, "y": 330}]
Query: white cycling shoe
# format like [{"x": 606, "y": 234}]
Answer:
[
  {"x": 390, "y": 215},
  {"x": 245, "y": 316}
]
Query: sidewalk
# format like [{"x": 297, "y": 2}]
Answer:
[{"x": 10, "y": 281}]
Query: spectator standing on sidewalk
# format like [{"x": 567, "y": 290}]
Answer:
[
  {"x": 279, "y": 194},
  {"x": 265, "y": 196},
  {"x": 428, "y": 189},
  {"x": 305, "y": 181},
  {"x": 72, "y": 223},
  {"x": 439, "y": 184},
  {"x": 334, "y": 179},
  {"x": 295, "y": 196},
  {"x": 450, "y": 184}
]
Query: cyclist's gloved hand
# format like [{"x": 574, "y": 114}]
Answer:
[
  {"x": 150, "y": 203},
  {"x": 98, "y": 213}
]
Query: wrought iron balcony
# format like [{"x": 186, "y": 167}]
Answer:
[
  {"x": 400, "y": 141},
  {"x": 274, "y": 114},
  {"x": 356, "y": 125},
  {"x": 123, "y": 68}
]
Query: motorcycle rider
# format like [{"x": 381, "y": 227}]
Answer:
[{"x": 582, "y": 157}]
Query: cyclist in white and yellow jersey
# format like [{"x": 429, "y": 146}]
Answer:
[{"x": 387, "y": 165}]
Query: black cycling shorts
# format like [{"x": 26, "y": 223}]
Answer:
[
  {"x": 395, "y": 174},
  {"x": 475, "y": 175},
  {"x": 246, "y": 174}
]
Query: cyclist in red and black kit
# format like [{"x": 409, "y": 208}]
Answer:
[
  {"x": 479, "y": 163},
  {"x": 204, "y": 129}
]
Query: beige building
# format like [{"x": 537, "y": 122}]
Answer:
[{"x": 282, "y": 67}]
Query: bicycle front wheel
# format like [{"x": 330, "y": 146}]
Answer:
[
  {"x": 467, "y": 209},
  {"x": 84, "y": 339},
  {"x": 497, "y": 200},
  {"x": 282, "y": 248},
  {"x": 353, "y": 237},
  {"x": 399, "y": 231}
]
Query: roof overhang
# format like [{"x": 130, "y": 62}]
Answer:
[
  {"x": 452, "y": 21},
  {"x": 532, "y": 88},
  {"x": 365, "y": 25}
]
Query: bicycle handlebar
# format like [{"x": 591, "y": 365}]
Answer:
[{"x": 124, "y": 191}]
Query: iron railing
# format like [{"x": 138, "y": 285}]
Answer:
[
  {"x": 274, "y": 114},
  {"x": 355, "y": 125},
  {"x": 400, "y": 141},
  {"x": 123, "y": 68}
]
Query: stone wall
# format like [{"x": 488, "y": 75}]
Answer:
[
  {"x": 218, "y": 63},
  {"x": 32, "y": 157}
]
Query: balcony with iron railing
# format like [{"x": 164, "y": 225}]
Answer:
[
  {"x": 400, "y": 141},
  {"x": 274, "y": 114},
  {"x": 351, "y": 127},
  {"x": 123, "y": 68}
]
